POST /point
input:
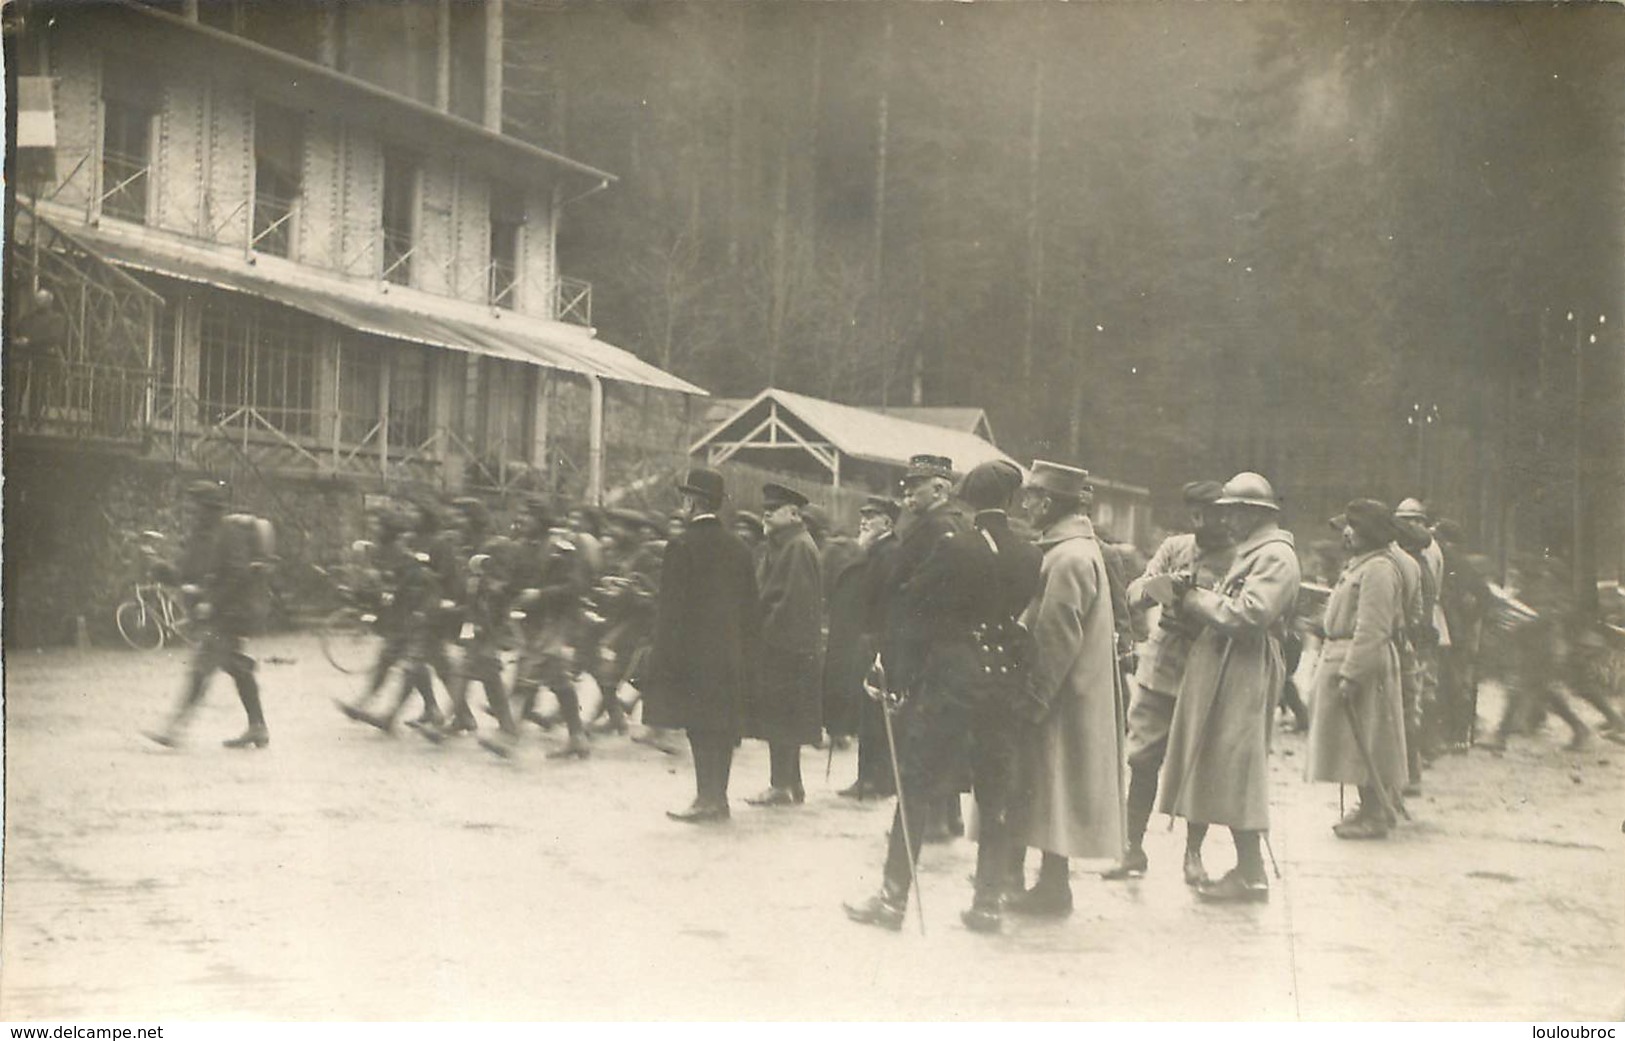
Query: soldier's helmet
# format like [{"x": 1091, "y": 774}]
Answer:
[
  {"x": 1249, "y": 489},
  {"x": 208, "y": 493},
  {"x": 1411, "y": 509}
]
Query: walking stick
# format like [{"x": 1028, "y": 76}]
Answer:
[
  {"x": 1120, "y": 711},
  {"x": 1205, "y": 730},
  {"x": 1389, "y": 806},
  {"x": 889, "y": 706}
]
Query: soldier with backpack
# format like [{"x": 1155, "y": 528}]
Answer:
[{"x": 222, "y": 574}]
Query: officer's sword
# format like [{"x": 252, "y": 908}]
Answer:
[
  {"x": 1391, "y": 806},
  {"x": 887, "y": 707}
]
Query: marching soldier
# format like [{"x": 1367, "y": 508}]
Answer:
[
  {"x": 484, "y": 594},
  {"x": 928, "y": 657},
  {"x": 1203, "y": 557},
  {"x": 553, "y": 579},
  {"x": 1357, "y": 732},
  {"x": 1217, "y": 768},
  {"x": 625, "y": 598},
  {"x": 877, "y": 536},
  {"x": 784, "y": 708},
  {"x": 216, "y": 572},
  {"x": 1070, "y": 760},
  {"x": 706, "y": 629}
]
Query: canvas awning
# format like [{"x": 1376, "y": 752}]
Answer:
[{"x": 556, "y": 345}]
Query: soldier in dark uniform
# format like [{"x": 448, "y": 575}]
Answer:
[
  {"x": 876, "y": 534},
  {"x": 1011, "y": 563},
  {"x": 930, "y": 654},
  {"x": 217, "y": 575},
  {"x": 553, "y": 579},
  {"x": 706, "y": 630},
  {"x": 783, "y": 708},
  {"x": 625, "y": 601}
]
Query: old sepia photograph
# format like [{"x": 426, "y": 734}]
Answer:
[{"x": 813, "y": 510}]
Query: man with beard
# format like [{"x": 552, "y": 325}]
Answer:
[
  {"x": 1070, "y": 753},
  {"x": 1202, "y": 557},
  {"x": 1357, "y": 733},
  {"x": 706, "y": 629},
  {"x": 1217, "y": 767},
  {"x": 876, "y": 536},
  {"x": 784, "y": 708}
]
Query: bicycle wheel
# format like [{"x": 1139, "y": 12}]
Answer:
[
  {"x": 186, "y": 627},
  {"x": 348, "y": 643},
  {"x": 139, "y": 626}
]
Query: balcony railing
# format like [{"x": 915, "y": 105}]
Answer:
[
  {"x": 124, "y": 186},
  {"x": 573, "y": 301},
  {"x": 78, "y": 400}
]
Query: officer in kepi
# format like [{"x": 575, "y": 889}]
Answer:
[{"x": 219, "y": 576}]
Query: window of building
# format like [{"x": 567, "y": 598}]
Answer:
[
  {"x": 363, "y": 361},
  {"x": 258, "y": 366},
  {"x": 507, "y": 217},
  {"x": 130, "y": 104},
  {"x": 279, "y": 140},
  {"x": 399, "y": 217}
]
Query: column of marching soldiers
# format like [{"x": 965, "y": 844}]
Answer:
[{"x": 964, "y": 650}]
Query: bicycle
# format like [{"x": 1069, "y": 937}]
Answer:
[
  {"x": 154, "y": 616},
  {"x": 348, "y": 634}
]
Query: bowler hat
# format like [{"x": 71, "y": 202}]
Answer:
[
  {"x": 1370, "y": 519},
  {"x": 921, "y": 467},
  {"x": 1059, "y": 479},
  {"x": 989, "y": 485},
  {"x": 1248, "y": 489},
  {"x": 879, "y": 504},
  {"x": 702, "y": 483},
  {"x": 1201, "y": 493},
  {"x": 776, "y": 495}
]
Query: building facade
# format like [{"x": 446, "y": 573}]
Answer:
[{"x": 289, "y": 245}]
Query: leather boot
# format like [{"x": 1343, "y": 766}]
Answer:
[
  {"x": 575, "y": 748},
  {"x": 1235, "y": 888},
  {"x": 256, "y": 736},
  {"x": 1133, "y": 865},
  {"x": 883, "y": 909}
]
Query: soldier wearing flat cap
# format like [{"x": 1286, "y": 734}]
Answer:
[
  {"x": 784, "y": 707},
  {"x": 216, "y": 573},
  {"x": 1201, "y": 557},
  {"x": 1070, "y": 768},
  {"x": 706, "y": 631},
  {"x": 857, "y": 625},
  {"x": 1359, "y": 706}
]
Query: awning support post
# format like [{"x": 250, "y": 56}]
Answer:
[{"x": 595, "y": 441}]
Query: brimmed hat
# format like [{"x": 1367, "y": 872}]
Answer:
[
  {"x": 776, "y": 495},
  {"x": 1202, "y": 493},
  {"x": 1410, "y": 509},
  {"x": 989, "y": 485},
  {"x": 881, "y": 506},
  {"x": 1370, "y": 518},
  {"x": 704, "y": 483},
  {"x": 1248, "y": 489},
  {"x": 1060, "y": 479},
  {"x": 921, "y": 467}
]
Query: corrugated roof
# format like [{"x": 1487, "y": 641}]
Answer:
[
  {"x": 865, "y": 434},
  {"x": 516, "y": 337}
]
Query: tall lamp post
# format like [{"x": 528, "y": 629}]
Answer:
[
  {"x": 1421, "y": 418},
  {"x": 1585, "y": 589}
]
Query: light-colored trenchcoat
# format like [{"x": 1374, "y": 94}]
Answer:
[
  {"x": 1070, "y": 767},
  {"x": 1364, "y": 619},
  {"x": 1217, "y": 769}
]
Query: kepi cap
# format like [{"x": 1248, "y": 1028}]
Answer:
[
  {"x": 1060, "y": 479},
  {"x": 921, "y": 467}
]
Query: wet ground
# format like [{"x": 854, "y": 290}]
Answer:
[{"x": 344, "y": 874}]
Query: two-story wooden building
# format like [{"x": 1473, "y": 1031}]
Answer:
[{"x": 288, "y": 244}]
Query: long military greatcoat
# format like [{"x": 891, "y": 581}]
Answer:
[
  {"x": 1217, "y": 769},
  {"x": 706, "y": 631},
  {"x": 1363, "y": 622},
  {"x": 1070, "y": 768},
  {"x": 784, "y": 706},
  {"x": 851, "y": 646}
]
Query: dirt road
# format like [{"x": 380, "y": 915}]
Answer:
[{"x": 341, "y": 873}]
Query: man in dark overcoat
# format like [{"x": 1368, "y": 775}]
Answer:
[
  {"x": 929, "y": 654},
  {"x": 877, "y": 520},
  {"x": 783, "y": 708},
  {"x": 705, "y": 636}
]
